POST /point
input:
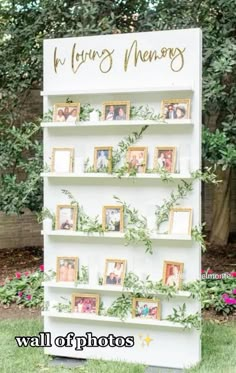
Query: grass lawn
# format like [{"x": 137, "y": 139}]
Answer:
[{"x": 218, "y": 343}]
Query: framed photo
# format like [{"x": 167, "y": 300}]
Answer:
[
  {"x": 172, "y": 274},
  {"x": 137, "y": 158},
  {"x": 145, "y": 308},
  {"x": 116, "y": 110},
  {"x": 165, "y": 157},
  {"x": 180, "y": 221},
  {"x": 113, "y": 218},
  {"x": 175, "y": 109},
  {"x": 114, "y": 272},
  {"x": 103, "y": 159},
  {"x": 67, "y": 268},
  {"x": 66, "y": 217},
  {"x": 85, "y": 303},
  {"x": 62, "y": 160},
  {"x": 66, "y": 112}
]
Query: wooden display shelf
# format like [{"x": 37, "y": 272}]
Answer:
[
  {"x": 170, "y": 123},
  {"x": 118, "y": 235},
  {"x": 105, "y": 288},
  {"x": 88, "y": 175},
  {"x": 116, "y": 320}
]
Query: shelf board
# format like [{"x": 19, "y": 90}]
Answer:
[
  {"x": 156, "y": 237},
  {"x": 91, "y": 175},
  {"x": 170, "y": 123},
  {"x": 102, "y": 91},
  {"x": 103, "y": 288},
  {"x": 107, "y": 319}
]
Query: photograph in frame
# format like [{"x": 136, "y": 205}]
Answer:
[
  {"x": 180, "y": 221},
  {"x": 66, "y": 217},
  {"x": 137, "y": 158},
  {"x": 116, "y": 110},
  {"x": 66, "y": 112},
  {"x": 175, "y": 109},
  {"x": 173, "y": 274},
  {"x": 113, "y": 218},
  {"x": 67, "y": 269},
  {"x": 165, "y": 158},
  {"x": 62, "y": 160},
  {"x": 114, "y": 272},
  {"x": 103, "y": 159},
  {"x": 144, "y": 308},
  {"x": 85, "y": 303}
]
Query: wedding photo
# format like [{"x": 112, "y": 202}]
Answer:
[
  {"x": 165, "y": 158},
  {"x": 103, "y": 159},
  {"x": 66, "y": 216},
  {"x": 137, "y": 158},
  {"x": 112, "y": 218}
]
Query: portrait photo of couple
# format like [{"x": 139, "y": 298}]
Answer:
[
  {"x": 116, "y": 110},
  {"x": 137, "y": 159},
  {"x": 114, "y": 272},
  {"x": 176, "y": 109},
  {"x": 66, "y": 112},
  {"x": 67, "y": 269}
]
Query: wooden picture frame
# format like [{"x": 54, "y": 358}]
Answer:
[
  {"x": 63, "y": 163},
  {"x": 146, "y": 312},
  {"x": 114, "y": 273},
  {"x": 103, "y": 159},
  {"x": 176, "y": 109},
  {"x": 67, "y": 274},
  {"x": 116, "y": 110},
  {"x": 78, "y": 306},
  {"x": 136, "y": 158},
  {"x": 165, "y": 157},
  {"x": 170, "y": 275},
  {"x": 66, "y": 112},
  {"x": 69, "y": 220},
  {"x": 110, "y": 221},
  {"x": 184, "y": 223}
]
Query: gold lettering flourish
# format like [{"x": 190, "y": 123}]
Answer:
[
  {"x": 134, "y": 55},
  {"x": 56, "y": 60}
]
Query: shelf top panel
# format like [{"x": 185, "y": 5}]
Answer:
[
  {"x": 115, "y": 235},
  {"x": 98, "y": 175},
  {"x": 102, "y": 123},
  {"x": 119, "y": 90},
  {"x": 97, "y": 318}
]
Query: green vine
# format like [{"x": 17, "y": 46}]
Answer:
[
  {"x": 136, "y": 230},
  {"x": 121, "y": 307},
  {"x": 164, "y": 174},
  {"x": 179, "y": 316},
  {"x": 46, "y": 214},
  {"x": 63, "y": 307},
  {"x": 83, "y": 276},
  {"x": 207, "y": 175},
  {"x": 198, "y": 236},
  {"x": 144, "y": 112}
]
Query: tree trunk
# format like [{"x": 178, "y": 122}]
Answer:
[{"x": 221, "y": 208}]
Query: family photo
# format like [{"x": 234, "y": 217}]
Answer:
[
  {"x": 114, "y": 272},
  {"x": 117, "y": 110},
  {"x": 172, "y": 274},
  {"x": 137, "y": 159},
  {"x": 66, "y": 112},
  {"x": 85, "y": 303},
  {"x": 176, "y": 109},
  {"x": 165, "y": 158},
  {"x": 66, "y": 217},
  {"x": 113, "y": 218},
  {"x": 146, "y": 308},
  {"x": 102, "y": 159},
  {"x": 67, "y": 269}
]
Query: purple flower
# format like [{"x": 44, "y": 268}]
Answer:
[
  {"x": 230, "y": 301},
  {"x": 20, "y": 293}
]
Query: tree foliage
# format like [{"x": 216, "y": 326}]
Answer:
[{"x": 25, "y": 23}]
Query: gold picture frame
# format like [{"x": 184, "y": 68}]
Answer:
[
  {"x": 176, "y": 109},
  {"x": 69, "y": 159},
  {"x": 120, "y": 111},
  {"x": 110, "y": 221},
  {"x": 66, "y": 112},
  {"x": 68, "y": 221},
  {"x": 78, "y": 306},
  {"x": 180, "y": 227},
  {"x": 165, "y": 157},
  {"x": 170, "y": 275},
  {"x": 105, "y": 159},
  {"x": 146, "y": 312},
  {"x": 67, "y": 274},
  {"x": 139, "y": 158},
  {"x": 114, "y": 273}
]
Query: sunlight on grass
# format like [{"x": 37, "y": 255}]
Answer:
[{"x": 218, "y": 352}]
